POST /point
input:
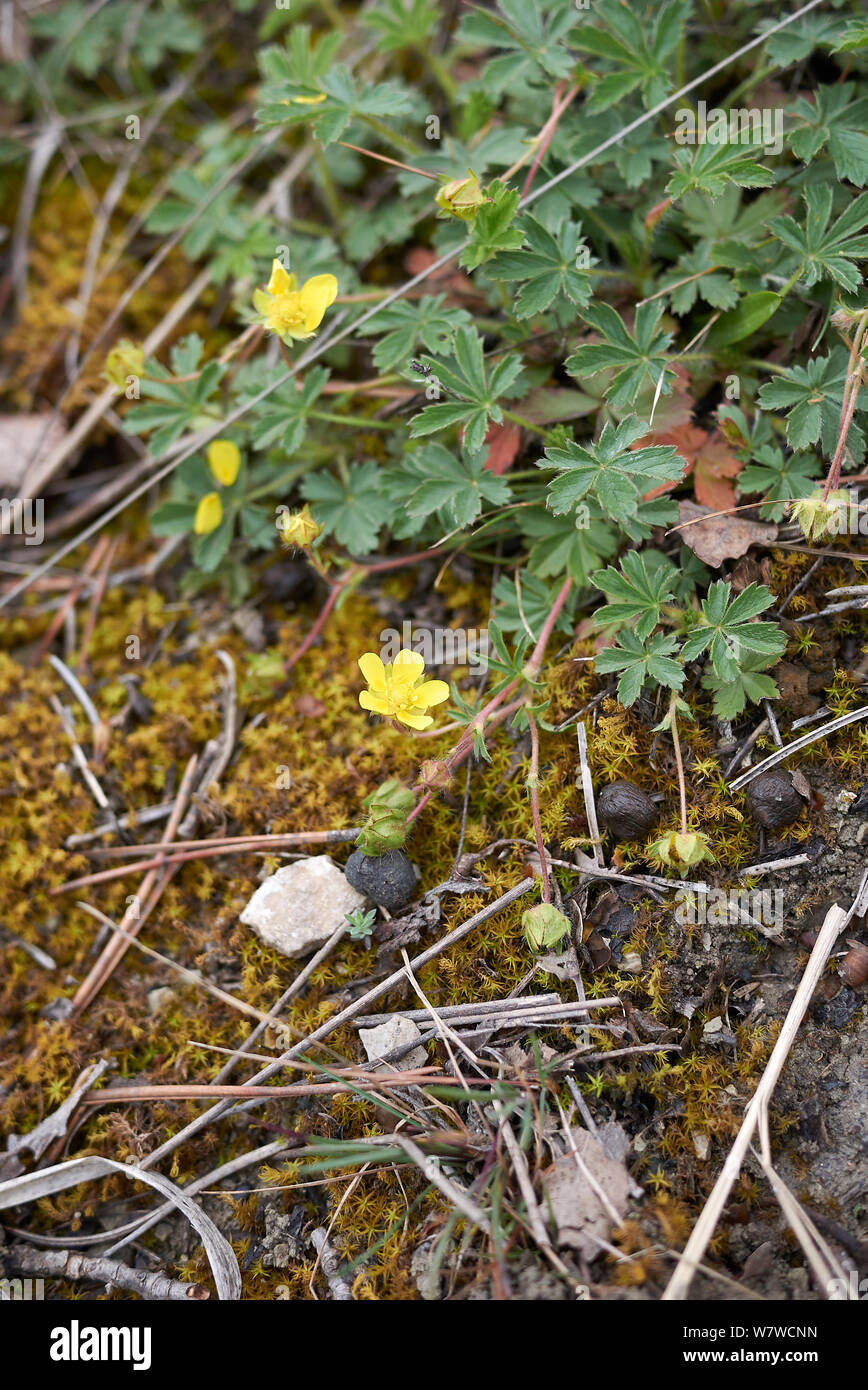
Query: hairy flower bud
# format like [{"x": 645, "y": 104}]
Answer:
[
  {"x": 462, "y": 198},
  {"x": 434, "y": 775},
  {"x": 299, "y": 528}
]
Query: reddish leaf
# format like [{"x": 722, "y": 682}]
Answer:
[
  {"x": 715, "y": 463},
  {"x": 503, "y": 443},
  {"x": 456, "y": 285}
]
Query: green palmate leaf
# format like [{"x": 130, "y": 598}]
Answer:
[
  {"x": 725, "y": 628},
  {"x": 636, "y": 594},
  {"x": 830, "y": 119},
  {"x": 402, "y": 23},
  {"x": 173, "y": 519},
  {"x": 533, "y": 40},
  {"x": 524, "y": 602},
  {"x": 550, "y": 265},
  {"x": 710, "y": 167},
  {"x": 405, "y": 326},
  {"x": 351, "y": 511},
  {"x": 573, "y": 544},
  {"x": 477, "y": 387},
  {"x": 282, "y": 418},
  {"x": 798, "y": 40},
  {"x": 174, "y": 406},
  {"x": 222, "y": 228},
  {"x": 297, "y": 101},
  {"x": 373, "y": 228},
  {"x": 301, "y": 61},
  {"x": 749, "y": 683},
  {"x": 208, "y": 551},
  {"x": 641, "y": 51},
  {"x": 779, "y": 477},
  {"x": 640, "y": 661},
  {"x": 634, "y": 155},
  {"x": 854, "y": 38},
  {"x": 827, "y": 253},
  {"x": 694, "y": 278},
  {"x": 458, "y": 485},
  {"x": 613, "y": 473},
  {"x": 638, "y": 357},
  {"x": 813, "y": 396},
  {"x": 492, "y": 228}
]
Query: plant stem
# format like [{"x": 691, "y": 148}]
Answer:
[
  {"x": 530, "y": 673},
  {"x": 359, "y": 421},
  {"x": 676, "y": 743},
  {"x": 533, "y": 788}
]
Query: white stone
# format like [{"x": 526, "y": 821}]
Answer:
[
  {"x": 297, "y": 908},
  {"x": 380, "y": 1041}
]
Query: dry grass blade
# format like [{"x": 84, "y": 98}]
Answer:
[
  {"x": 137, "y": 912},
  {"x": 757, "y": 1110},
  {"x": 782, "y": 754},
  {"x": 31, "y": 1186}
]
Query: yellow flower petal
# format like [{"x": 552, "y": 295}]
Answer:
[
  {"x": 378, "y": 704},
  {"x": 224, "y": 460},
  {"x": 280, "y": 282},
  {"x": 316, "y": 295},
  {"x": 209, "y": 514},
  {"x": 309, "y": 101},
  {"x": 408, "y": 665},
  {"x": 373, "y": 671},
  {"x": 415, "y": 721},
  {"x": 431, "y": 693}
]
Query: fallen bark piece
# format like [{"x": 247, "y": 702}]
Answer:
[
  {"x": 298, "y": 908},
  {"x": 715, "y": 537},
  {"x": 380, "y": 1041},
  {"x": 587, "y": 1191}
]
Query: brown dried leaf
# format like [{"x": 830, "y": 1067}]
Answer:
[
  {"x": 582, "y": 1219},
  {"x": 715, "y": 538},
  {"x": 24, "y": 439}
]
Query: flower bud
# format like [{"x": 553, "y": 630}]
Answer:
[
  {"x": 434, "y": 775},
  {"x": 461, "y": 198},
  {"x": 299, "y": 528},
  {"x": 544, "y": 926}
]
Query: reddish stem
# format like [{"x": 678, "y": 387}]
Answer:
[
  {"x": 848, "y": 403},
  {"x": 530, "y": 673},
  {"x": 317, "y": 628},
  {"x": 533, "y": 788},
  {"x": 547, "y": 133}
]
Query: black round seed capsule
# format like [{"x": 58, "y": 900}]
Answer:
[{"x": 626, "y": 811}]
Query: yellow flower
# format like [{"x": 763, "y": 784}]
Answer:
[
  {"x": 209, "y": 514},
  {"x": 291, "y": 312},
  {"x": 394, "y": 690},
  {"x": 299, "y": 528},
  {"x": 224, "y": 460},
  {"x": 461, "y": 197}
]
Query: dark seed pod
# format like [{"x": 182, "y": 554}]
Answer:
[
  {"x": 626, "y": 811},
  {"x": 387, "y": 879},
  {"x": 853, "y": 969},
  {"x": 776, "y": 798}
]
